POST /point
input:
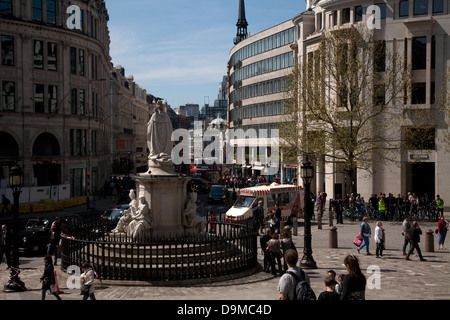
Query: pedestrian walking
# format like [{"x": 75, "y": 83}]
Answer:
[
  {"x": 48, "y": 278},
  {"x": 442, "y": 232},
  {"x": 330, "y": 293},
  {"x": 439, "y": 206},
  {"x": 5, "y": 203},
  {"x": 415, "y": 240},
  {"x": 406, "y": 232},
  {"x": 211, "y": 222},
  {"x": 286, "y": 244},
  {"x": 379, "y": 239},
  {"x": 263, "y": 241},
  {"x": 258, "y": 214},
  {"x": 55, "y": 238},
  {"x": 274, "y": 246},
  {"x": 278, "y": 216},
  {"x": 365, "y": 232},
  {"x": 87, "y": 278},
  {"x": 354, "y": 283},
  {"x": 338, "y": 209},
  {"x": 5, "y": 245},
  {"x": 287, "y": 283}
]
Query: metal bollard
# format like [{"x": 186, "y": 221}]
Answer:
[
  {"x": 429, "y": 241},
  {"x": 333, "y": 239}
]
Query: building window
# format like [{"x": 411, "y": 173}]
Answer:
[
  {"x": 433, "y": 93},
  {"x": 78, "y": 142},
  {"x": 38, "y": 54},
  {"x": 73, "y": 60},
  {"x": 82, "y": 102},
  {"x": 7, "y": 46},
  {"x": 438, "y": 6},
  {"x": 345, "y": 15},
  {"x": 419, "y": 58},
  {"x": 51, "y": 11},
  {"x": 81, "y": 62},
  {"x": 52, "y": 99},
  {"x": 358, "y": 13},
  {"x": 39, "y": 98},
  {"x": 419, "y": 93},
  {"x": 433, "y": 52},
  {"x": 6, "y": 7},
  {"x": 71, "y": 145},
  {"x": 318, "y": 22},
  {"x": 420, "y": 7},
  {"x": 335, "y": 18},
  {"x": 8, "y": 96},
  {"x": 380, "y": 56},
  {"x": 382, "y": 7},
  {"x": 37, "y": 10},
  {"x": 403, "y": 9},
  {"x": 74, "y": 102},
  {"x": 52, "y": 58}
]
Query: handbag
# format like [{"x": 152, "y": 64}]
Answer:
[
  {"x": 358, "y": 241},
  {"x": 85, "y": 290},
  {"x": 53, "y": 288}
]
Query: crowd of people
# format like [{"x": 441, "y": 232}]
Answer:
[
  {"x": 382, "y": 207},
  {"x": 350, "y": 286}
]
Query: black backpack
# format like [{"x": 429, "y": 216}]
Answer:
[{"x": 303, "y": 290}]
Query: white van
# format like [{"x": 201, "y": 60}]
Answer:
[{"x": 288, "y": 197}]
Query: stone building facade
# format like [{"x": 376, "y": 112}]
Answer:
[
  {"x": 66, "y": 114},
  {"x": 419, "y": 27}
]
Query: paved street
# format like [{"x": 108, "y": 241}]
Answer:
[{"x": 399, "y": 279}]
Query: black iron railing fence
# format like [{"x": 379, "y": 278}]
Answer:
[{"x": 231, "y": 249}]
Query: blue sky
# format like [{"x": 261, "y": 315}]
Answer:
[{"x": 178, "y": 49}]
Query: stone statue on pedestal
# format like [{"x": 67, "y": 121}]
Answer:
[{"x": 159, "y": 138}]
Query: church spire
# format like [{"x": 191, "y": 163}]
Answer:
[{"x": 241, "y": 24}]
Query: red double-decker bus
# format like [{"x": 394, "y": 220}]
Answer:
[{"x": 211, "y": 176}]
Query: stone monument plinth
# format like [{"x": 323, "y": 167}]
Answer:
[{"x": 166, "y": 196}]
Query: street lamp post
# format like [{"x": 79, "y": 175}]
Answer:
[
  {"x": 307, "y": 174},
  {"x": 16, "y": 184}
]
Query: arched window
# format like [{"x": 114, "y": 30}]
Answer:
[
  {"x": 46, "y": 145},
  {"x": 8, "y": 147}
]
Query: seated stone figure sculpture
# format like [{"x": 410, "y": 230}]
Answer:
[
  {"x": 127, "y": 214},
  {"x": 137, "y": 220},
  {"x": 142, "y": 221},
  {"x": 193, "y": 222}
]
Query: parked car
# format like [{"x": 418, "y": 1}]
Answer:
[
  {"x": 114, "y": 214},
  {"x": 217, "y": 193},
  {"x": 36, "y": 236}
]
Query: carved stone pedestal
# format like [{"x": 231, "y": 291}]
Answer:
[{"x": 166, "y": 196}]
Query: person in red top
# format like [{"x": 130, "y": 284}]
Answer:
[{"x": 442, "y": 231}]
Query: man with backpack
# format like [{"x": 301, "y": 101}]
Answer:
[{"x": 295, "y": 283}]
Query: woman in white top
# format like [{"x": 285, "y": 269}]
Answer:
[
  {"x": 379, "y": 239},
  {"x": 88, "y": 277}
]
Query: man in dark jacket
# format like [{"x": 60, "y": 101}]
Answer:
[
  {"x": 415, "y": 239},
  {"x": 263, "y": 243}
]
